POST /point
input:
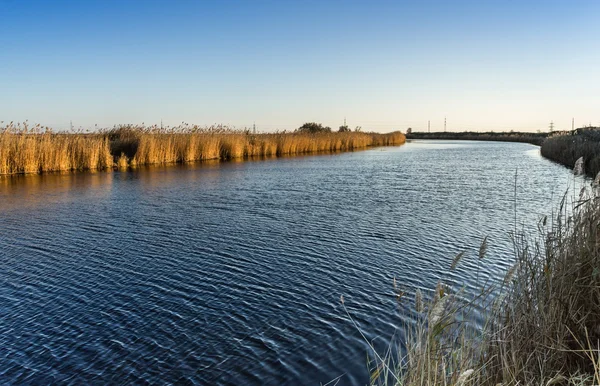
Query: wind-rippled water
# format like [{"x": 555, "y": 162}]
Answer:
[{"x": 232, "y": 273}]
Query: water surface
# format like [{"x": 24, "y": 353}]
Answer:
[{"x": 231, "y": 273}]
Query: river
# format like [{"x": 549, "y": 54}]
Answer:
[{"x": 231, "y": 273}]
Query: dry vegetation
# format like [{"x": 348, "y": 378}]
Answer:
[
  {"x": 502, "y": 136},
  {"x": 38, "y": 149},
  {"x": 542, "y": 322},
  {"x": 567, "y": 149}
]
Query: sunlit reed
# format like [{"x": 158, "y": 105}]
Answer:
[{"x": 38, "y": 149}]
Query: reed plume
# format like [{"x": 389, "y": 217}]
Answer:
[
  {"x": 541, "y": 321},
  {"x": 25, "y": 149},
  {"x": 38, "y": 149}
]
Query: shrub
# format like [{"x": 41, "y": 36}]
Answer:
[{"x": 313, "y": 127}]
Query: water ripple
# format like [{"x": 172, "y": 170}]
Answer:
[{"x": 232, "y": 273}]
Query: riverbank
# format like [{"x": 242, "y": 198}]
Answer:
[
  {"x": 567, "y": 149},
  {"x": 26, "y": 150},
  {"x": 533, "y": 138},
  {"x": 539, "y": 325}
]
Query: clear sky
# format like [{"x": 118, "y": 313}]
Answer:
[{"x": 381, "y": 64}]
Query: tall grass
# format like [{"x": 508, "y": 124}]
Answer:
[
  {"x": 542, "y": 321},
  {"x": 35, "y": 150},
  {"x": 157, "y": 147},
  {"x": 548, "y": 324},
  {"x": 567, "y": 149}
]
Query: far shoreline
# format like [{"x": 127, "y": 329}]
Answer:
[{"x": 512, "y": 136}]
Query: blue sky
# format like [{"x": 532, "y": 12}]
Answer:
[{"x": 485, "y": 65}]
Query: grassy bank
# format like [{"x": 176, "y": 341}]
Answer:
[
  {"x": 541, "y": 323},
  {"x": 533, "y": 138},
  {"x": 37, "y": 149},
  {"x": 567, "y": 149}
]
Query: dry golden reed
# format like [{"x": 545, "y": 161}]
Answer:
[
  {"x": 25, "y": 150},
  {"x": 38, "y": 149},
  {"x": 161, "y": 148}
]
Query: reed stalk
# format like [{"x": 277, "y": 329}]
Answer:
[
  {"x": 541, "y": 321},
  {"x": 37, "y": 150}
]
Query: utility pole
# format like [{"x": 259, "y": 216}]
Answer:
[
  {"x": 254, "y": 128},
  {"x": 572, "y": 124},
  {"x": 429, "y": 126},
  {"x": 161, "y": 126},
  {"x": 551, "y": 126},
  {"x": 71, "y": 125},
  {"x": 444, "y": 124}
]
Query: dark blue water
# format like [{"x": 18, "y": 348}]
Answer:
[{"x": 232, "y": 273}]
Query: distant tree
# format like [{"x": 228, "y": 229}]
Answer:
[
  {"x": 409, "y": 130},
  {"x": 358, "y": 129},
  {"x": 344, "y": 129},
  {"x": 313, "y": 127}
]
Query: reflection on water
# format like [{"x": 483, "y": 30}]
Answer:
[
  {"x": 438, "y": 145},
  {"x": 31, "y": 191},
  {"x": 231, "y": 273}
]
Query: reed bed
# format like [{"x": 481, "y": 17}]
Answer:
[
  {"x": 38, "y": 149},
  {"x": 567, "y": 149},
  {"x": 180, "y": 147},
  {"x": 541, "y": 322}
]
